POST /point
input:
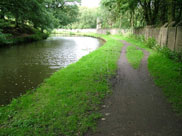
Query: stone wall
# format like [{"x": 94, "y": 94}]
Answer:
[
  {"x": 165, "y": 36},
  {"x": 114, "y": 31}
]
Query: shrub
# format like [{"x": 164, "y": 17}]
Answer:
[
  {"x": 108, "y": 33},
  {"x": 5, "y": 38},
  {"x": 132, "y": 36},
  {"x": 141, "y": 38},
  {"x": 150, "y": 43},
  {"x": 177, "y": 56}
]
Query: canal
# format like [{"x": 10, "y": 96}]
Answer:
[{"x": 24, "y": 67}]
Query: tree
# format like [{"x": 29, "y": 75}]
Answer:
[
  {"x": 153, "y": 12},
  {"x": 87, "y": 18},
  {"x": 65, "y": 11},
  {"x": 40, "y": 14}
]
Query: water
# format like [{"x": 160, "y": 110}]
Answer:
[{"x": 24, "y": 67}]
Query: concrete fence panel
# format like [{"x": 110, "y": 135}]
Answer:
[
  {"x": 163, "y": 36},
  {"x": 178, "y": 46},
  {"x": 171, "y": 38},
  {"x": 156, "y": 34}
]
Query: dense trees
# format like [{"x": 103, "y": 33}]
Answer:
[
  {"x": 145, "y": 12},
  {"x": 26, "y": 20},
  {"x": 49, "y": 14},
  {"x": 87, "y": 18},
  {"x": 39, "y": 14},
  {"x": 65, "y": 11}
]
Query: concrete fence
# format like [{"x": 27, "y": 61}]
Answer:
[{"x": 165, "y": 36}]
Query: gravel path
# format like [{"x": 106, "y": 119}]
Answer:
[{"x": 137, "y": 107}]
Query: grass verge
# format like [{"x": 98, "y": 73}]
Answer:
[
  {"x": 134, "y": 56},
  {"x": 166, "y": 72},
  {"x": 67, "y": 102}
]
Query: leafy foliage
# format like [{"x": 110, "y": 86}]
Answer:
[
  {"x": 87, "y": 18},
  {"x": 4, "y": 38},
  {"x": 150, "y": 42},
  {"x": 139, "y": 13},
  {"x": 43, "y": 15}
]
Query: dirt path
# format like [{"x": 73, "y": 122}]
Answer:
[{"x": 137, "y": 107}]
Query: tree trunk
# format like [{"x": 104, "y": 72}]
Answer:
[
  {"x": 132, "y": 19},
  {"x": 170, "y": 11},
  {"x": 16, "y": 22},
  {"x": 120, "y": 23},
  {"x": 146, "y": 12}
]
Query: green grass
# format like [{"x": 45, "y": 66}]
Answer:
[
  {"x": 167, "y": 76},
  {"x": 67, "y": 103},
  {"x": 166, "y": 72},
  {"x": 134, "y": 56}
]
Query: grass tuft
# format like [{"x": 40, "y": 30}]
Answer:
[{"x": 134, "y": 56}]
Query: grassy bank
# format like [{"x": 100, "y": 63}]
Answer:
[
  {"x": 167, "y": 73},
  {"x": 67, "y": 102}
]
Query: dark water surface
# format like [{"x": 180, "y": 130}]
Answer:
[{"x": 24, "y": 67}]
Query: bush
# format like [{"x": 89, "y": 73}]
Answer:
[
  {"x": 31, "y": 38},
  {"x": 5, "y": 38},
  {"x": 177, "y": 56},
  {"x": 108, "y": 33},
  {"x": 150, "y": 43},
  {"x": 141, "y": 38},
  {"x": 132, "y": 36},
  {"x": 4, "y": 24}
]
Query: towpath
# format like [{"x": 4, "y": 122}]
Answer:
[{"x": 137, "y": 107}]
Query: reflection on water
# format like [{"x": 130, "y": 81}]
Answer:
[{"x": 25, "y": 67}]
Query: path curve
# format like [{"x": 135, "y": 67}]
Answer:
[{"x": 137, "y": 107}]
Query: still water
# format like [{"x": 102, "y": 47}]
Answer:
[{"x": 24, "y": 67}]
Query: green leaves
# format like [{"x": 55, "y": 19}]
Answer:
[
  {"x": 41, "y": 14},
  {"x": 86, "y": 19},
  {"x": 144, "y": 12}
]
